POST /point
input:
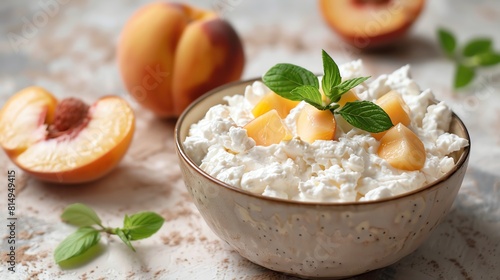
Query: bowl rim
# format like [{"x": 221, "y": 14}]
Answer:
[{"x": 181, "y": 152}]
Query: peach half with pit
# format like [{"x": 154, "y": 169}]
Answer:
[
  {"x": 169, "y": 54},
  {"x": 65, "y": 141}
]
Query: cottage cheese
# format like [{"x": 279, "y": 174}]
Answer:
[{"x": 335, "y": 171}]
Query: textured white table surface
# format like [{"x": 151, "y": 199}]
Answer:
[{"x": 72, "y": 53}]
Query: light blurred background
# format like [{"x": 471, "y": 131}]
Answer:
[{"x": 70, "y": 50}]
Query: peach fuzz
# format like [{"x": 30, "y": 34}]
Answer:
[
  {"x": 85, "y": 152},
  {"x": 170, "y": 54}
]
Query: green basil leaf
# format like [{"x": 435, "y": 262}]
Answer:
[
  {"x": 463, "y": 75},
  {"x": 124, "y": 238},
  {"x": 76, "y": 244},
  {"x": 477, "y": 46},
  {"x": 487, "y": 59},
  {"x": 142, "y": 225},
  {"x": 447, "y": 41},
  {"x": 331, "y": 77},
  {"x": 366, "y": 115},
  {"x": 310, "y": 95},
  {"x": 345, "y": 86},
  {"x": 79, "y": 214},
  {"x": 283, "y": 78}
]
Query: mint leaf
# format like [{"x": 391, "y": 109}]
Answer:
[
  {"x": 79, "y": 214},
  {"x": 283, "y": 78},
  {"x": 76, "y": 244},
  {"x": 142, "y": 225},
  {"x": 310, "y": 95},
  {"x": 487, "y": 59},
  {"x": 447, "y": 41},
  {"x": 477, "y": 46},
  {"x": 124, "y": 238},
  {"x": 298, "y": 84},
  {"x": 366, "y": 115},
  {"x": 345, "y": 86},
  {"x": 463, "y": 75},
  {"x": 331, "y": 75}
]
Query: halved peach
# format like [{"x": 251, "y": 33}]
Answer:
[
  {"x": 402, "y": 148},
  {"x": 272, "y": 101},
  {"x": 394, "y": 105},
  {"x": 314, "y": 124},
  {"x": 268, "y": 129},
  {"x": 370, "y": 23},
  {"x": 40, "y": 136}
]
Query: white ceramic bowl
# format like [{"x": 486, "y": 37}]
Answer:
[{"x": 315, "y": 240}]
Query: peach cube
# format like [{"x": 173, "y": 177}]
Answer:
[
  {"x": 349, "y": 96},
  {"x": 268, "y": 129},
  {"x": 272, "y": 101},
  {"x": 394, "y": 105},
  {"x": 402, "y": 148},
  {"x": 314, "y": 124}
]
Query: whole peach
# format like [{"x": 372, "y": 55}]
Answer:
[{"x": 170, "y": 54}]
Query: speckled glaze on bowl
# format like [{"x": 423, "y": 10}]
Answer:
[{"x": 315, "y": 240}]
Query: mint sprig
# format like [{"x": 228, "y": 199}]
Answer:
[
  {"x": 135, "y": 227},
  {"x": 475, "y": 54},
  {"x": 299, "y": 84}
]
